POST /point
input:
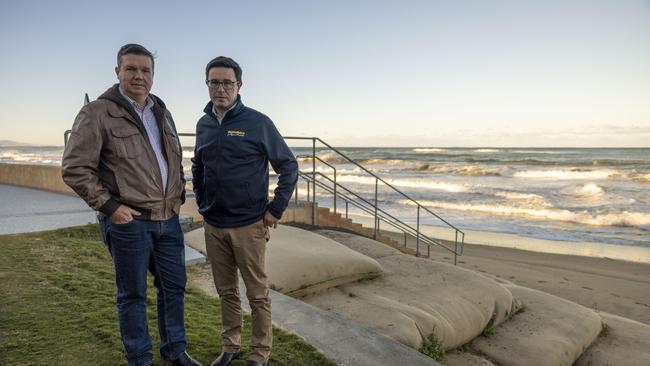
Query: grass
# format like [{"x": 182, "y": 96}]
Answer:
[
  {"x": 58, "y": 307},
  {"x": 489, "y": 328},
  {"x": 433, "y": 348}
]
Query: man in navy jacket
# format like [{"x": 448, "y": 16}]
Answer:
[{"x": 230, "y": 168}]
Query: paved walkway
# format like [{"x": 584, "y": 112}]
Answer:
[
  {"x": 343, "y": 341},
  {"x": 26, "y": 210}
]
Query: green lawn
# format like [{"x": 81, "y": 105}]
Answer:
[{"x": 57, "y": 307}]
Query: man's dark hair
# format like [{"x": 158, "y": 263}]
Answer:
[
  {"x": 223, "y": 61},
  {"x": 133, "y": 49}
]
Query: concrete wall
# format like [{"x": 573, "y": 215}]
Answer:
[
  {"x": 34, "y": 176},
  {"x": 49, "y": 178}
]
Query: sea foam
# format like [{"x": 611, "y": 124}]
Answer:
[
  {"x": 567, "y": 174},
  {"x": 621, "y": 218},
  {"x": 472, "y": 170},
  {"x": 405, "y": 183},
  {"x": 428, "y": 150},
  {"x": 585, "y": 190}
]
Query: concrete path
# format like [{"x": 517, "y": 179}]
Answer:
[
  {"x": 345, "y": 342},
  {"x": 25, "y": 210}
]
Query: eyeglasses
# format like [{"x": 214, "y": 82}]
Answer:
[{"x": 226, "y": 84}]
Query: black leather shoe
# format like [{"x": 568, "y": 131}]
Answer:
[
  {"x": 225, "y": 358},
  {"x": 185, "y": 360},
  {"x": 255, "y": 363}
]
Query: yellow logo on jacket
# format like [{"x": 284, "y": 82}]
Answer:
[{"x": 236, "y": 133}]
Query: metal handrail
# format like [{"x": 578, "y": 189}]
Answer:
[
  {"x": 459, "y": 234},
  {"x": 372, "y": 174},
  {"x": 381, "y": 215},
  {"x": 395, "y": 222}
]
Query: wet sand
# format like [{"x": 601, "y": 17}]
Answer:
[{"x": 613, "y": 286}]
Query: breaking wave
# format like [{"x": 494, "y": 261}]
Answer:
[
  {"x": 385, "y": 162},
  {"x": 586, "y": 190},
  {"x": 328, "y": 157},
  {"x": 428, "y": 150},
  {"x": 405, "y": 183},
  {"x": 535, "y": 152},
  {"x": 461, "y": 170},
  {"x": 39, "y": 158},
  {"x": 486, "y": 150},
  {"x": 522, "y": 196},
  {"x": 623, "y": 218},
  {"x": 568, "y": 174},
  {"x": 642, "y": 177}
]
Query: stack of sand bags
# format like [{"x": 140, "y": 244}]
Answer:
[
  {"x": 410, "y": 299},
  {"x": 299, "y": 262},
  {"x": 417, "y": 297}
]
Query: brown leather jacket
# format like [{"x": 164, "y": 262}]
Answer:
[{"x": 108, "y": 159}]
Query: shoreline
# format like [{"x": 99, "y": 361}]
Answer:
[{"x": 519, "y": 242}]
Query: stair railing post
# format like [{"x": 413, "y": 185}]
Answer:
[
  {"x": 456, "y": 247},
  {"x": 335, "y": 191},
  {"x": 376, "y": 223},
  {"x": 296, "y": 198},
  {"x": 346, "y": 209},
  {"x": 417, "y": 239},
  {"x": 313, "y": 175}
]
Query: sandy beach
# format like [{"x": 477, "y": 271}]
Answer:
[{"x": 613, "y": 286}]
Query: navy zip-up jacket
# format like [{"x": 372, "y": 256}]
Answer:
[{"x": 230, "y": 168}]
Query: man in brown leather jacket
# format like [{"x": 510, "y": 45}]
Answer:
[{"x": 124, "y": 159}]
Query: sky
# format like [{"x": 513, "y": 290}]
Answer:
[{"x": 500, "y": 73}]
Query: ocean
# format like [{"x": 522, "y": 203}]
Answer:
[{"x": 570, "y": 194}]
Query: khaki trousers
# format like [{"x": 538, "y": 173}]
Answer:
[{"x": 242, "y": 248}]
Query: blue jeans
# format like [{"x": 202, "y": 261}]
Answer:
[{"x": 157, "y": 247}]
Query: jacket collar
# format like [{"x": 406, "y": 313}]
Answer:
[
  {"x": 121, "y": 107},
  {"x": 235, "y": 109}
]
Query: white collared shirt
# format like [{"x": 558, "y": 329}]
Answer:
[
  {"x": 219, "y": 119},
  {"x": 151, "y": 126}
]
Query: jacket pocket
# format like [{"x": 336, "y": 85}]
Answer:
[
  {"x": 174, "y": 161},
  {"x": 233, "y": 197},
  {"x": 257, "y": 192},
  {"x": 128, "y": 142},
  {"x": 173, "y": 142}
]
